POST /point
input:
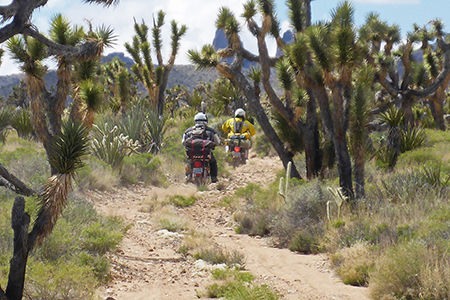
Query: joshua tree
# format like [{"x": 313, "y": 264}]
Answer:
[
  {"x": 207, "y": 57},
  {"x": 65, "y": 144},
  {"x": 154, "y": 78},
  {"x": 359, "y": 126},
  {"x": 405, "y": 78},
  {"x": 70, "y": 145},
  {"x": 121, "y": 84},
  {"x": 47, "y": 107}
]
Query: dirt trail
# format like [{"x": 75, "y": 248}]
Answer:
[{"x": 147, "y": 266}]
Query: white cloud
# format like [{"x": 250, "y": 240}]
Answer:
[{"x": 198, "y": 15}]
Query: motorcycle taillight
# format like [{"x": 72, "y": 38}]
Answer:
[
  {"x": 237, "y": 149},
  {"x": 197, "y": 164}
]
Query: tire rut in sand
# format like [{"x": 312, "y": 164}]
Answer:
[{"x": 147, "y": 265}]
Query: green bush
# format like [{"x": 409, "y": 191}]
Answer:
[
  {"x": 305, "y": 242},
  {"x": 59, "y": 281},
  {"x": 261, "y": 206},
  {"x": 354, "y": 264},
  {"x": 98, "y": 264},
  {"x": 142, "y": 168},
  {"x": 33, "y": 167},
  {"x": 236, "y": 285},
  {"x": 100, "y": 237},
  {"x": 300, "y": 224},
  {"x": 182, "y": 201}
]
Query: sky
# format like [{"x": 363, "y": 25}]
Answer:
[{"x": 200, "y": 16}]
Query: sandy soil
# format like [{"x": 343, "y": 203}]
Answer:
[{"x": 147, "y": 266}]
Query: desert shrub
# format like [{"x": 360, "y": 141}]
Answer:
[
  {"x": 33, "y": 167},
  {"x": 236, "y": 285},
  {"x": 182, "y": 201},
  {"x": 98, "y": 264},
  {"x": 193, "y": 242},
  {"x": 353, "y": 264},
  {"x": 219, "y": 255},
  {"x": 5, "y": 121},
  {"x": 80, "y": 228},
  {"x": 59, "y": 281},
  {"x": 166, "y": 218},
  {"x": 262, "y": 145},
  {"x": 82, "y": 237},
  {"x": 305, "y": 241},
  {"x": 6, "y": 238},
  {"x": 300, "y": 224},
  {"x": 97, "y": 175},
  {"x": 100, "y": 238},
  {"x": 261, "y": 206},
  {"x": 412, "y": 270},
  {"x": 172, "y": 224},
  {"x": 402, "y": 186},
  {"x": 173, "y": 148},
  {"x": 142, "y": 168},
  {"x": 70, "y": 263}
]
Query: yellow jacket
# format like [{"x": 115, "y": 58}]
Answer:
[{"x": 248, "y": 130}]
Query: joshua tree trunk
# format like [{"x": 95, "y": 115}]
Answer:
[
  {"x": 337, "y": 135},
  {"x": 20, "y": 221},
  {"x": 264, "y": 122}
]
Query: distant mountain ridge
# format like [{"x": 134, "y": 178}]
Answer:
[{"x": 185, "y": 75}]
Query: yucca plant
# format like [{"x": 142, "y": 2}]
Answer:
[
  {"x": 412, "y": 138},
  {"x": 393, "y": 117},
  {"x": 68, "y": 149},
  {"x": 21, "y": 122},
  {"x": 4, "y": 124},
  {"x": 156, "y": 128},
  {"x": 110, "y": 145}
]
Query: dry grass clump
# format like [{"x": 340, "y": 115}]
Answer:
[
  {"x": 97, "y": 175},
  {"x": 353, "y": 264},
  {"x": 219, "y": 255},
  {"x": 193, "y": 242},
  {"x": 412, "y": 270},
  {"x": 167, "y": 218}
]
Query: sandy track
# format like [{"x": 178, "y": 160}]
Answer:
[{"x": 147, "y": 266}]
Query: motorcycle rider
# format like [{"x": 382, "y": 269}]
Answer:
[
  {"x": 210, "y": 134},
  {"x": 238, "y": 126}
]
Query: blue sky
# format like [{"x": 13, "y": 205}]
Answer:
[{"x": 200, "y": 16}]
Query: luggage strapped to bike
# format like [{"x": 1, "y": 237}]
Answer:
[{"x": 204, "y": 155}]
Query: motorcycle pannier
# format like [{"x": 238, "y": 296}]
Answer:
[{"x": 236, "y": 140}]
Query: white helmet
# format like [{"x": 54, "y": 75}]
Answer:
[
  {"x": 200, "y": 117},
  {"x": 239, "y": 113}
]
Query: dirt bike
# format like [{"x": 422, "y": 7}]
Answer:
[
  {"x": 238, "y": 147},
  {"x": 197, "y": 171},
  {"x": 198, "y": 155}
]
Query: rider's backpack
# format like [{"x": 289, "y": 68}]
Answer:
[
  {"x": 237, "y": 126},
  {"x": 197, "y": 143}
]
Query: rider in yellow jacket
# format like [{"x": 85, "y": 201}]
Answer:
[{"x": 230, "y": 126}]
